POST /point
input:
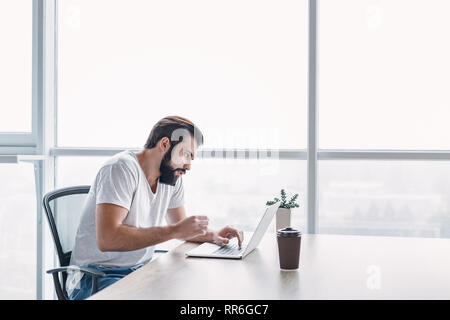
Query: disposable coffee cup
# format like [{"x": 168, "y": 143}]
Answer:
[{"x": 289, "y": 248}]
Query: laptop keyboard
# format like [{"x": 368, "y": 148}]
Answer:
[{"x": 230, "y": 249}]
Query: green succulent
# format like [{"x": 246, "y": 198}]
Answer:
[{"x": 285, "y": 204}]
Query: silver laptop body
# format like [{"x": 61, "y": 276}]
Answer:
[{"x": 231, "y": 250}]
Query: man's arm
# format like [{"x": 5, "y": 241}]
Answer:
[
  {"x": 113, "y": 235},
  {"x": 219, "y": 237}
]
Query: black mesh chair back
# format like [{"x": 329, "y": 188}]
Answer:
[{"x": 63, "y": 208}]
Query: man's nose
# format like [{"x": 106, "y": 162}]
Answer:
[{"x": 187, "y": 166}]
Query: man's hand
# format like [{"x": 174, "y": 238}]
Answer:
[
  {"x": 223, "y": 236},
  {"x": 190, "y": 227}
]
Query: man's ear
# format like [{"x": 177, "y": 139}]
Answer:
[{"x": 164, "y": 144}]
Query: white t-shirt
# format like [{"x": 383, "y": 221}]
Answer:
[{"x": 121, "y": 181}]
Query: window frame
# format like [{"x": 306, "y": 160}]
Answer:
[
  {"x": 28, "y": 142},
  {"x": 41, "y": 142}
]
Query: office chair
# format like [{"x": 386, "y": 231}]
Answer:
[{"x": 63, "y": 214}]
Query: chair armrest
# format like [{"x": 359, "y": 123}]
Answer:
[
  {"x": 91, "y": 271},
  {"x": 59, "y": 287}
]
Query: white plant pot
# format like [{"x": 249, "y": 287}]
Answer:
[{"x": 283, "y": 218}]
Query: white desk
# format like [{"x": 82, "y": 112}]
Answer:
[{"x": 331, "y": 267}]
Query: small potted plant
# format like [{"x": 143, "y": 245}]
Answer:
[{"x": 283, "y": 219}]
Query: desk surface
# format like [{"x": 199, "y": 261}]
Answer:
[{"x": 331, "y": 267}]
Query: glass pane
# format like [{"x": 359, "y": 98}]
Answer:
[
  {"x": 15, "y": 65},
  {"x": 385, "y": 198},
  {"x": 235, "y": 191},
  {"x": 17, "y": 231},
  {"x": 229, "y": 191},
  {"x": 237, "y": 69},
  {"x": 86, "y": 169},
  {"x": 384, "y": 74}
]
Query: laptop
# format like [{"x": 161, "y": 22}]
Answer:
[{"x": 232, "y": 250}]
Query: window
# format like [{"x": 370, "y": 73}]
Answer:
[
  {"x": 404, "y": 198},
  {"x": 383, "y": 74},
  {"x": 235, "y": 68},
  {"x": 16, "y": 73},
  {"x": 86, "y": 168},
  {"x": 235, "y": 191},
  {"x": 238, "y": 69},
  {"x": 15, "y": 63},
  {"x": 17, "y": 231}
]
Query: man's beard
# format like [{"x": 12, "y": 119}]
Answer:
[{"x": 167, "y": 172}]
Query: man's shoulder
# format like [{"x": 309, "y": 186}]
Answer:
[{"x": 124, "y": 160}]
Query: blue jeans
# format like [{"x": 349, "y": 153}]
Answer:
[{"x": 111, "y": 276}]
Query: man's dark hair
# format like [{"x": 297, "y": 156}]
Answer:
[{"x": 174, "y": 128}]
